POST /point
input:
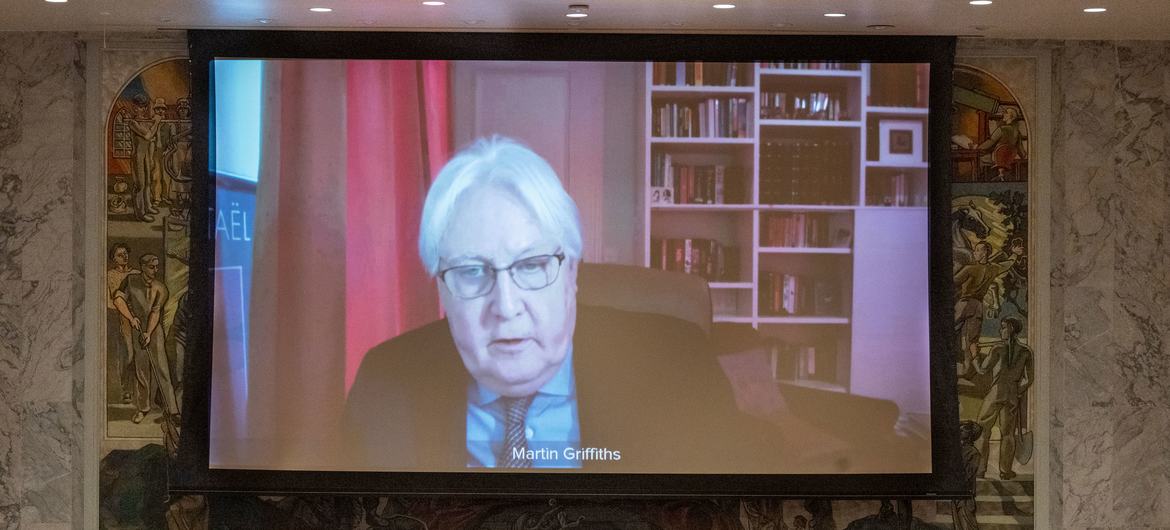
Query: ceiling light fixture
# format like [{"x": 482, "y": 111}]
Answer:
[
  {"x": 834, "y": 15},
  {"x": 980, "y": 2},
  {"x": 1094, "y": 9},
  {"x": 434, "y": 3},
  {"x": 56, "y": 1},
  {"x": 578, "y": 11},
  {"x": 724, "y": 6},
  {"x": 263, "y": 20},
  {"x": 880, "y": 27},
  {"x": 321, "y": 9}
]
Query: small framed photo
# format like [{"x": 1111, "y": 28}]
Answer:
[{"x": 900, "y": 141}]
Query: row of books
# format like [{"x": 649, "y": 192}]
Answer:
[
  {"x": 804, "y": 362},
  {"x": 811, "y": 65},
  {"x": 803, "y": 106},
  {"x": 704, "y": 257},
  {"x": 699, "y": 73},
  {"x": 783, "y": 294},
  {"x": 900, "y": 85},
  {"x": 709, "y": 118},
  {"x": 673, "y": 183},
  {"x": 806, "y": 172},
  {"x": 894, "y": 190},
  {"x": 815, "y": 230}
]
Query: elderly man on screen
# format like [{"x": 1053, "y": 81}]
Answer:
[{"x": 518, "y": 375}]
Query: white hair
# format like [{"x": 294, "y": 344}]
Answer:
[{"x": 506, "y": 163}]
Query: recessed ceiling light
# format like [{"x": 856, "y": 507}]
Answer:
[
  {"x": 474, "y": 21},
  {"x": 263, "y": 20},
  {"x": 1094, "y": 9},
  {"x": 676, "y": 23},
  {"x": 104, "y": 13},
  {"x": 724, "y": 6},
  {"x": 56, "y": 1},
  {"x": 980, "y": 2},
  {"x": 782, "y": 25},
  {"x": 434, "y": 3},
  {"x": 578, "y": 11},
  {"x": 834, "y": 15},
  {"x": 321, "y": 9},
  {"x": 880, "y": 27}
]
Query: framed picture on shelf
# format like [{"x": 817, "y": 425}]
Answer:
[{"x": 900, "y": 141}]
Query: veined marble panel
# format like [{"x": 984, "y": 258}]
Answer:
[
  {"x": 46, "y": 454},
  {"x": 37, "y": 76},
  {"x": 41, "y": 100},
  {"x": 51, "y": 341},
  {"x": 1142, "y": 474},
  {"x": 1110, "y": 223},
  {"x": 36, "y": 210}
]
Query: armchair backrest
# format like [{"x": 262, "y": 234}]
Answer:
[{"x": 645, "y": 290}]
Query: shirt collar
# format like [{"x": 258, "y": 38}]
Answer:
[{"x": 560, "y": 385}]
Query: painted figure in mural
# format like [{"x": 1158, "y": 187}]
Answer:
[
  {"x": 140, "y": 300},
  {"x": 800, "y": 522},
  {"x": 144, "y": 129},
  {"x": 963, "y": 510},
  {"x": 1003, "y": 404},
  {"x": 972, "y": 283},
  {"x": 176, "y": 162},
  {"x": 120, "y": 340},
  {"x": 179, "y": 332},
  {"x": 1001, "y": 150},
  {"x": 965, "y": 219},
  {"x": 160, "y": 187}
]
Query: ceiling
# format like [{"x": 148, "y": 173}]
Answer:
[{"x": 1014, "y": 19}]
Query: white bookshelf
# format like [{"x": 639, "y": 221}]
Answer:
[{"x": 743, "y": 227}]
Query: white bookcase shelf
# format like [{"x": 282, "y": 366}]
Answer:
[{"x": 742, "y": 242}]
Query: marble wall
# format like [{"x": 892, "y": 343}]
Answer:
[
  {"x": 41, "y": 279},
  {"x": 1110, "y": 286}
]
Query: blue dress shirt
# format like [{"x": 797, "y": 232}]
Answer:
[{"x": 551, "y": 425}]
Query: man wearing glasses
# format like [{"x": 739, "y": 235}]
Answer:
[{"x": 517, "y": 375}]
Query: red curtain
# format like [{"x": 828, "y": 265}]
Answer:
[
  {"x": 349, "y": 148},
  {"x": 396, "y": 124}
]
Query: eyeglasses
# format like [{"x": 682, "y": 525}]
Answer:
[{"x": 531, "y": 274}]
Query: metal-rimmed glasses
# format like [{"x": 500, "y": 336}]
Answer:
[{"x": 475, "y": 280}]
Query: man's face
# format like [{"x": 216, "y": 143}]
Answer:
[
  {"x": 981, "y": 252},
  {"x": 121, "y": 257},
  {"x": 150, "y": 269},
  {"x": 511, "y": 340}
]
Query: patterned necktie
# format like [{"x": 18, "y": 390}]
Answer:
[{"x": 515, "y": 443}]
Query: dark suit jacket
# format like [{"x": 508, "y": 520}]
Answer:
[{"x": 647, "y": 386}]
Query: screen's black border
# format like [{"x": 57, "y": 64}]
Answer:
[{"x": 190, "y": 472}]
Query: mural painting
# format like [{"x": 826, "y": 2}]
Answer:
[
  {"x": 148, "y": 179},
  {"x": 989, "y": 234}
]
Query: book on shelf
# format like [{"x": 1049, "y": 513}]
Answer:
[
  {"x": 713, "y": 117},
  {"x": 900, "y": 85},
  {"x": 800, "y": 171},
  {"x": 892, "y": 190},
  {"x": 811, "y": 230},
  {"x": 783, "y": 294},
  {"x": 793, "y": 361},
  {"x": 807, "y": 105},
  {"x": 677, "y": 183},
  {"x": 700, "y": 73},
  {"x": 703, "y": 257},
  {"x": 811, "y": 65}
]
